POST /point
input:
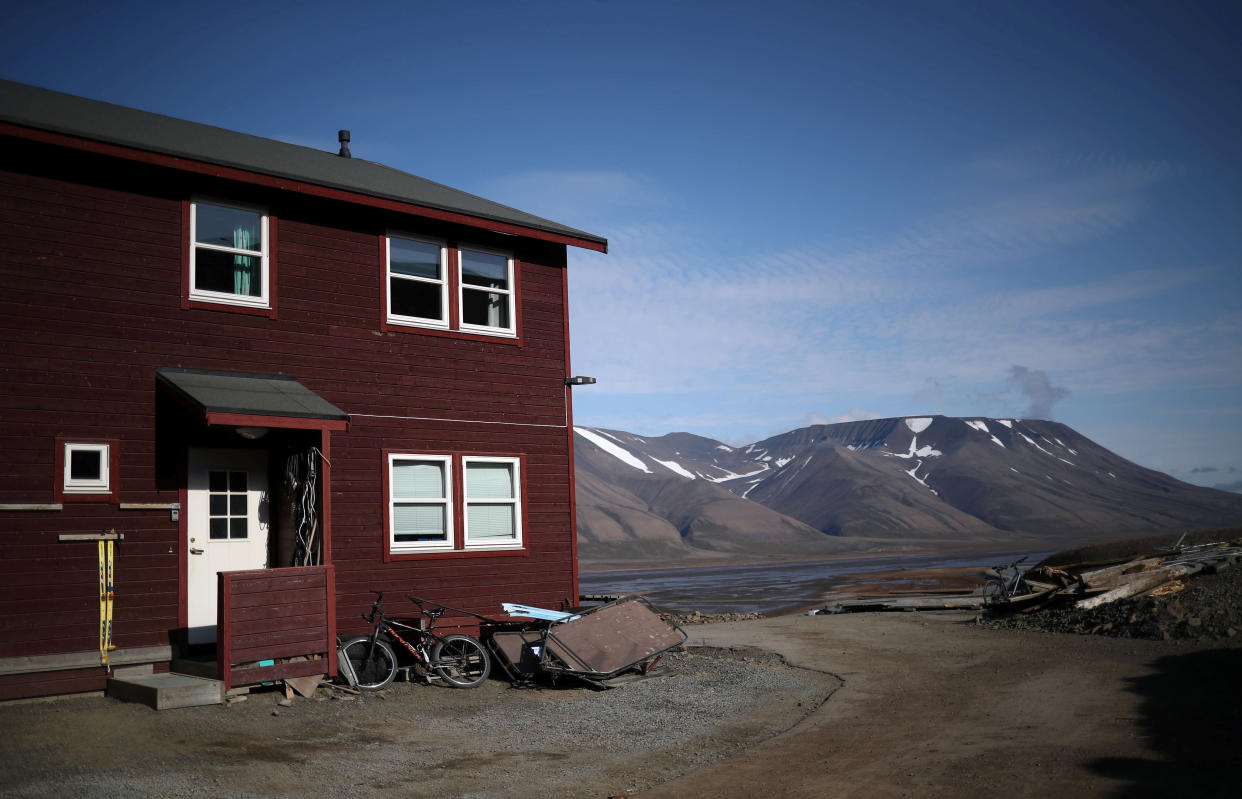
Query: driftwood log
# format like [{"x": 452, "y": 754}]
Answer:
[{"x": 1140, "y": 583}]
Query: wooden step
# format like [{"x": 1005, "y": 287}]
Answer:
[{"x": 166, "y": 691}]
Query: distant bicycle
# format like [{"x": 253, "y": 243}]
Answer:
[
  {"x": 458, "y": 659},
  {"x": 1004, "y": 582}
]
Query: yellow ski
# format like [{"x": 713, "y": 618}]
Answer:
[
  {"x": 103, "y": 611},
  {"x": 111, "y": 595}
]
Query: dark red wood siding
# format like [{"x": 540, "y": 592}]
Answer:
[{"x": 91, "y": 253}]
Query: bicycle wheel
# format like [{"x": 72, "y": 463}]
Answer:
[
  {"x": 374, "y": 667},
  {"x": 993, "y": 592},
  {"x": 461, "y": 661}
]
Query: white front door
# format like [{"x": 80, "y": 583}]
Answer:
[{"x": 227, "y": 525}]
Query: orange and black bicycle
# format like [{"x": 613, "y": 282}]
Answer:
[{"x": 458, "y": 659}]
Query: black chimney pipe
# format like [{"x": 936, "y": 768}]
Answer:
[{"x": 343, "y": 137}]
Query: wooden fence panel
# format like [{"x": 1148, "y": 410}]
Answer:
[{"x": 255, "y": 624}]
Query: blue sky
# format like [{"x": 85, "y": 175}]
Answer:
[{"x": 817, "y": 211}]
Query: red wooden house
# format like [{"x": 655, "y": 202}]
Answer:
[{"x": 229, "y": 354}]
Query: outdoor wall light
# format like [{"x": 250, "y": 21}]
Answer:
[
  {"x": 579, "y": 381},
  {"x": 252, "y": 433}
]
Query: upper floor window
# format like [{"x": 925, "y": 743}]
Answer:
[
  {"x": 486, "y": 291},
  {"x": 417, "y": 283},
  {"x": 229, "y": 255},
  {"x": 437, "y": 285}
]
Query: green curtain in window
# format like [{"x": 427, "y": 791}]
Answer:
[{"x": 243, "y": 265}]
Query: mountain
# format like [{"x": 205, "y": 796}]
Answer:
[{"x": 853, "y": 486}]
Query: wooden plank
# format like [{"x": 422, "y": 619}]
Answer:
[
  {"x": 284, "y": 610},
  {"x": 285, "y": 650},
  {"x": 300, "y": 668},
  {"x": 311, "y": 577},
  {"x": 315, "y": 623},
  {"x": 278, "y": 598}
]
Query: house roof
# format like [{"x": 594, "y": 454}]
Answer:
[
  {"x": 43, "y": 109},
  {"x": 221, "y": 394}
]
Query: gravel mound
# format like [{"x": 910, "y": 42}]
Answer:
[{"x": 1208, "y": 608}]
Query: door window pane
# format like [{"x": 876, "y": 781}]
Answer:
[{"x": 228, "y": 505}]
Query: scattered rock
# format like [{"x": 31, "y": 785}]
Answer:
[{"x": 1209, "y": 607}]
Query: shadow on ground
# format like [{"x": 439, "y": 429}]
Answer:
[{"x": 1192, "y": 715}]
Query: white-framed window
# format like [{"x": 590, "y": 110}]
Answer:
[
  {"x": 417, "y": 281},
  {"x": 486, "y": 291},
  {"x": 441, "y": 285},
  {"x": 87, "y": 469},
  {"x": 229, "y": 261},
  {"x": 420, "y": 503},
  {"x": 492, "y": 502}
]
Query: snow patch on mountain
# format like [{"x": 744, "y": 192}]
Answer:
[
  {"x": 1006, "y": 422},
  {"x": 735, "y": 476},
  {"x": 722, "y": 446},
  {"x": 1031, "y": 441},
  {"x": 921, "y": 480},
  {"x": 918, "y": 424},
  {"x": 916, "y": 451},
  {"x": 674, "y": 466},
  {"x": 982, "y": 427},
  {"x": 620, "y": 453}
]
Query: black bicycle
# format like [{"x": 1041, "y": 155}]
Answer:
[
  {"x": 1004, "y": 582},
  {"x": 458, "y": 659}
]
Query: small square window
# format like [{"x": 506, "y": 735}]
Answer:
[{"x": 87, "y": 469}]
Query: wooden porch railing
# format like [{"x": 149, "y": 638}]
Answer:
[{"x": 275, "y": 623}]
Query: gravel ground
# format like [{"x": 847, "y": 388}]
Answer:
[
  {"x": 414, "y": 740},
  {"x": 1208, "y": 608}
]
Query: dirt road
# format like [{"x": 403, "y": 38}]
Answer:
[
  {"x": 876, "y": 705},
  {"x": 933, "y": 706}
]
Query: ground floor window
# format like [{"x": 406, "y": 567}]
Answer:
[
  {"x": 86, "y": 470},
  {"x": 451, "y": 503}
]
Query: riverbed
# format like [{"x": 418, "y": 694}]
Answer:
[{"x": 776, "y": 589}]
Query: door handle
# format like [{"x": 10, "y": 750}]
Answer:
[{"x": 194, "y": 551}]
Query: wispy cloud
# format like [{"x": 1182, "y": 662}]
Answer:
[{"x": 915, "y": 317}]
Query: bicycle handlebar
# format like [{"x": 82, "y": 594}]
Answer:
[{"x": 375, "y": 606}]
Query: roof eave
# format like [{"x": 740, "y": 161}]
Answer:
[{"x": 296, "y": 183}]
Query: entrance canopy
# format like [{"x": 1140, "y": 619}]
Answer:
[{"x": 238, "y": 398}]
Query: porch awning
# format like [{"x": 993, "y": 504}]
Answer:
[{"x": 238, "y": 398}]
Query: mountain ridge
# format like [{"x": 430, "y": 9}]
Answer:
[{"x": 851, "y": 486}]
